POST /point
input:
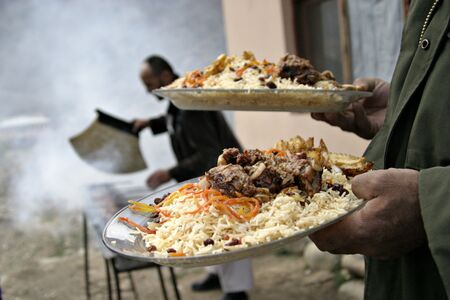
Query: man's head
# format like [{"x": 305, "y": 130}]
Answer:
[{"x": 156, "y": 72}]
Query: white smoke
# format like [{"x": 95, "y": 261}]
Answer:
[{"x": 64, "y": 59}]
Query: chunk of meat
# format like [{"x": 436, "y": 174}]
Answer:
[
  {"x": 230, "y": 180},
  {"x": 301, "y": 70},
  {"x": 250, "y": 157},
  {"x": 229, "y": 156},
  {"x": 258, "y": 174},
  {"x": 270, "y": 179}
]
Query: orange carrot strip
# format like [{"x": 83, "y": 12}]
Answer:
[
  {"x": 176, "y": 254},
  {"x": 199, "y": 207},
  {"x": 254, "y": 211},
  {"x": 241, "y": 71},
  {"x": 136, "y": 225},
  {"x": 164, "y": 213},
  {"x": 275, "y": 152}
]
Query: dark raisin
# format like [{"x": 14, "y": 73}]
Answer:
[
  {"x": 233, "y": 242},
  {"x": 151, "y": 248},
  {"x": 171, "y": 250},
  {"x": 339, "y": 188},
  {"x": 208, "y": 242},
  {"x": 237, "y": 79},
  {"x": 159, "y": 200},
  {"x": 271, "y": 85},
  {"x": 153, "y": 215},
  {"x": 262, "y": 79},
  {"x": 232, "y": 69}
]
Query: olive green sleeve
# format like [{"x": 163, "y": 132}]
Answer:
[{"x": 434, "y": 195}]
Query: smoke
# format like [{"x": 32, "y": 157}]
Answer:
[{"x": 63, "y": 59}]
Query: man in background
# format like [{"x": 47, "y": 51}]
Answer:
[{"x": 197, "y": 139}]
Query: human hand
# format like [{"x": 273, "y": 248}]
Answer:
[
  {"x": 363, "y": 117},
  {"x": 157, "y": 178},
  {"x": 139, "y": 124},
  {"x": 389, "y": 225}
]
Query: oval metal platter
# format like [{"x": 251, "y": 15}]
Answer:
[{"x": 119, "y": 238}]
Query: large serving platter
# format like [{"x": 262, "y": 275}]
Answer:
[
  {"x": 291, "y": 100},
  {"x": 120, "y": 238}
]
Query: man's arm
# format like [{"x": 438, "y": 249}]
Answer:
[{"x": 157, "y": 125}]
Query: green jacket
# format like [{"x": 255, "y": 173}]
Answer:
[{"x": 416, "y": 135}]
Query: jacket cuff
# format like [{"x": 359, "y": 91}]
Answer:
[
  {"x": 176, "y": 174},
  {"x": 434, "y": 197},
  {"x": 158, "y": 125}
]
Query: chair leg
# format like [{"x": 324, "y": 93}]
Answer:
[
  {"x": 108, "y": 279},
  {"x": 133, "y": 286},
  {"x": 174, "y": 283},
  {"x": 117, "y": 279},
  {"x": 161, "y": 282},
  {"x": 86, "y": 257}
]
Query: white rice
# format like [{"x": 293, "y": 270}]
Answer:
[
  {"x": 250, "y": 79},
  {"x": 279, "y": 218}
]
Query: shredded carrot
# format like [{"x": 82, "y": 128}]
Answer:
[
  {"x": 241, "y": 71},
  {"x": 239, "y": 208},
  {"x": 136, "y": 225},
  {"x": 199, "y": 207},
  {"x": 176, "y": 254},
  {"x": 275, "y": 152},
  {"x": 164, "y": 213},
  {"x": 186, "y": 187},
  {"x": 271, "y": 69}
]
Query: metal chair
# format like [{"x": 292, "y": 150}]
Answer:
[{"x": 96, "y": 214}]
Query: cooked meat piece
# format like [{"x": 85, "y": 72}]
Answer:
[
  {"x": 250, "y": 157},
  {"x": 254, "y": 173},
  {"x": 230, "y": 179},
  {"x": 228, "y": 156},
  {"x": 270, "y": 179},
  {"x": 311, "y": 180},
  {"x": 301, "y": 70}
]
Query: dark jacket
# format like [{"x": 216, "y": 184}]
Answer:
[
  {"x": 197, "y": 137},
  {"x": 416, "y": 135}
]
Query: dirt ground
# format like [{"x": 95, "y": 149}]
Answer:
[{"x": 43, "y": 259}]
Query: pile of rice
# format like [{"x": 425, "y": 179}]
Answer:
[
  {"x": 250, "y": 79},
  {"x": 279, "y": 218}
]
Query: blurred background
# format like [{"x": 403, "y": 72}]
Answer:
[{"x": 60, "y": 60}]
